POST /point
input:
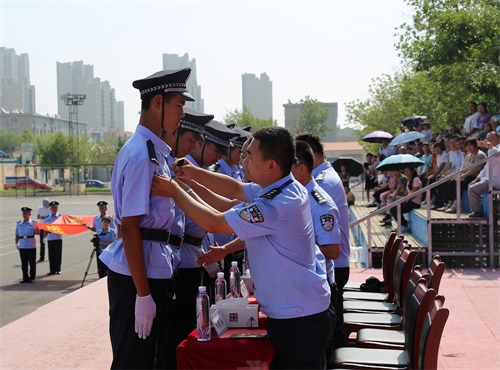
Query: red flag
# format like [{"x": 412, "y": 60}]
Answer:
[{"x": 67, "y": 224}]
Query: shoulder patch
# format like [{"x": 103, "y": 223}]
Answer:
[
  {"x": 319, "y": 198},
  {"x": 152, "y": 152},
  {"x": 216, "y": 167},
  {"x": 252, "y": 214},
  {"x": 327, "y": 222},
  {"x": 321, "y": 176}
]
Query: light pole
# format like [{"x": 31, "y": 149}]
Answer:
[{"x": 73, "y": 101}]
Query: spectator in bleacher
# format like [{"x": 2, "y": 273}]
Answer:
[
  {"x": 383, "y": 185},
  {"x": 426, "y": 131},
  {"x": 495, "y": 122},
  {"x": 413, "y": 184},
  {"x": 470, "y": 125},
  {"x": 385, "y": 150},
  {"x": 349, "y": 195},
  {"x": 344, "y": 175},
  {"x": 426, "y": 157},
  {"x": 483, "y": 134},
  {"x": 484, "y": 115},
  {"x": 442, "y": 162},
  {"x": 480, "y": 184},
  {"x": 471, "y": 156},
  {"x": 370, "y": 178},
  {"x": 395, "y": 190}
]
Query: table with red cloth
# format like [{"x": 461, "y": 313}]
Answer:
[{"x": 226, "y": 352}]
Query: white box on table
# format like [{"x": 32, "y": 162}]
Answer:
[{"x": 237, "y": 313}]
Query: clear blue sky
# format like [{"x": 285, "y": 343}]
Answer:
[{"x": 328, "y": 50}]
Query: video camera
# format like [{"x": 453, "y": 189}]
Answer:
[{"x": 95, "y": 241}]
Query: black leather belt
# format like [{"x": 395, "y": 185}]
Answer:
[
  {"x": 175, "y": 240},
  {"x": 27, "y": 237},
  {"x": 192, "y": 240},
  {"x": 155, "y": 234}
]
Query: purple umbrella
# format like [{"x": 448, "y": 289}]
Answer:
[{"x": 377, "y": 137}]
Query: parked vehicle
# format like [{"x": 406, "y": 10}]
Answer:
[
  {"x": 94, "y": 184},
  {"x": 27, "y": 183}
]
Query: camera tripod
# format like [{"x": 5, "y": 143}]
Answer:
[{"x": 94, "y": 251}]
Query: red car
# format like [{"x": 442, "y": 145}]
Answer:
[{"x": 27, "y": 183}]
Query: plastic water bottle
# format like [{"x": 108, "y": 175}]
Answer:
[
  {"x": 220, "y": 287},
  {"x": 234, "y": 280},
  {"x": 202, "y": 315}
]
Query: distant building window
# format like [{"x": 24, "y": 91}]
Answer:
[{"x": 13, "y": 120}]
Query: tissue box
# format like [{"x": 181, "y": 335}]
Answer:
[{"x": 237, "y": 313}]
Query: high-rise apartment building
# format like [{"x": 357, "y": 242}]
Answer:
[
  {"x": 293, "y": 112},
  {"x": 100, "y": 110},
  {"x": 258, "y": 95},
  {"x": 16, "y": 93},
  {"x": 174, "y": 61}
]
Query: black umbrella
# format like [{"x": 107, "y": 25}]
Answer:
[
  {"x": 354, "y": 167},
  {"x": 413, "y": 121}
]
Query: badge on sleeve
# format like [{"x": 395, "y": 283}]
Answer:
[
  {"x": 252, "y": 214},
  {"x": 327, "y": 222}
]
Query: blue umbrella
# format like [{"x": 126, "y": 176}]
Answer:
[
  {"x": 377, "y": 137},
  {"x": 397, "y": 162},
  {"x": 406, "y": 137}
]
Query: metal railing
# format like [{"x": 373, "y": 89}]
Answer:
[{"x": 488, "y": 161}]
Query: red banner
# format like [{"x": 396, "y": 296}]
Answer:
[{"x": 67, "y": 224}]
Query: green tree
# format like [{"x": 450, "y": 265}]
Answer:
[
  {"x": 312, "y": 118},
  {"x": 242, "y": 118},
  {"x": 8, "y": 140},
  {"x": 55, "y": 149},
  {"x": 105, "y": 151}
]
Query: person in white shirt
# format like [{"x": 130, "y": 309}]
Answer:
[
  {"x": 470, "y": 127},
  {"x": 43, "y": 212},
  {"x": 481, "y": 184}
]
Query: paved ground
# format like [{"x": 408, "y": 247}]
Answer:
[{"x": 71, "y": 332}]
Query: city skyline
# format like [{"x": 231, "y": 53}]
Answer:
[{"x": 328, "y": 50}]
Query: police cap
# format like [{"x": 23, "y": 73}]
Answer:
[
  {"x": 244, "y": 136},
  {"x": 164, "y": 82},
  {"x": 102, "y": 204},
  {"x": 219, "y": 134},
  {"x": 53, "y": 204},
  {"x": 194, "y": 120},
  {"x": 26, "y": 209}
]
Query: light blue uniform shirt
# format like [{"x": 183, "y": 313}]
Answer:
[
  {"x": 189, "y": 252},
  {"x": 325, "y": 216},
  {"x": 98, "y": 222},
  {"x": 289, "y": 280},
  {"x": 233, "y": 171},
  {"x": 48, "y": 220},
  {"x": 131, "y": 188},
  {"x": 106, "y": 236},
  {"x": 26, "y": 229},
  {"x": 179, "y": 221},
  {"x": 329, "y": 180}
]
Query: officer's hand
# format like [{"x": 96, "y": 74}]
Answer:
[
  {"x": 183, "y": 169},
  {"x": 145, "y": 312},
  {"x": 164, "y": 186},
  {"x": 215, "y": 254}
]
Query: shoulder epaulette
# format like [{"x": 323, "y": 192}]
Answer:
[
  {"x": 319, "y": 198},
  {"x": 271, "y": 193},
  {"x": 321, "y": 176},
  {"x": 152, "y": 152},
  {"x": 216, "y": 167}
]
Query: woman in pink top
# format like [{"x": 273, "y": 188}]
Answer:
[{"x": 414, "y": 184}]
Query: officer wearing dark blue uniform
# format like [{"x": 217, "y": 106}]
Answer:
[
  {"x": 26, "y": 244},
  {"x": 275, "y": 223},
  {"x": 54, "y": 241},
  {"x": 141, "y": 262}
]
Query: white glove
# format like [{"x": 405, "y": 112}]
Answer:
[{"x": 145, "y": 312}]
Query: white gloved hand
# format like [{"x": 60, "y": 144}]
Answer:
[{"x": 145, "y": 312}]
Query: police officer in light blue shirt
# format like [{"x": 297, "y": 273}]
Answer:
[
  {"x": 329, "y": 180},
  {"x": 214, "y": 143},
  {"x": 103, "y": 208},
  {"x": 140, "y": 263},
  {"x": 106, "y": 236},
  {"x": 54, "y": 241},
  {"x": 26, "y": 244},
  {"x": 275, "y": 223}
]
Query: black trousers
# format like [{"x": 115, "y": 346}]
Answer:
[
  {"x": 129, "y": 351},
  {"x": 102, "y": 269},
  {"x": 55, "y": 255},
  {"x": 405, "y": 208},
  {"x": 341, "y": 279},
  {"x": 42, "y": 244},
  {"x": 28, "y": 257},
  {"x": 300, "y": 343}
]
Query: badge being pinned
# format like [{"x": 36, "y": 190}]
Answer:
[
  {"x": 327, "y": 222},
  {"x": 252, "y": 214}
]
